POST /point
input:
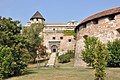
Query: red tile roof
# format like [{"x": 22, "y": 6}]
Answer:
[{"x": 101, "y": 14}]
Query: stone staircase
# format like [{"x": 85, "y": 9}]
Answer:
[{"x": 51, "y": 61}]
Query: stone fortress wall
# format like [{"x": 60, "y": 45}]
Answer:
[{"x": 104, "y": 25}]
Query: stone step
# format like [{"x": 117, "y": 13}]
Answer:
[{"x": 51, "y": 61}]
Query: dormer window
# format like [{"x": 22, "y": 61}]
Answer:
[
  {"x": 95, "y": 21},
  {"x": 111, "y": 17}
]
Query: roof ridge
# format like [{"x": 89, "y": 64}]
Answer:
[{"x": 101, "y": 14}]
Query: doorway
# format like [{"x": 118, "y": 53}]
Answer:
[{"x": 54, "y": 49}]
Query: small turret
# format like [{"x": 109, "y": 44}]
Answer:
[{"x": 37, "y": 17}]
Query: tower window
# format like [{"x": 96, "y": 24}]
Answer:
[
  {"x": 84, "y": 26},
  {"x": 53, "y": 37},
  {"x": 37, "y": 19},
  {"x": 69, "y": 40},
  {"x": 61, "y": 37},
  {"x": 95, "y": 21},
  {"x": 111, "y": 17}
]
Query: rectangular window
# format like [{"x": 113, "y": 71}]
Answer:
[
  {"x": 84, "y": 26},
  {"x": 53, "y": 29},
  {"x": 53, "y": 37},
  {"x": 95, "y": 21},
  {"x": 37, "y": 19},
  {"x": 61, "y": 37},
  {"x": 111, "y": 17},
  {"x": 69, "y": 40}
]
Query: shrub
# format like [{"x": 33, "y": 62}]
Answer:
[
  {"x": 100, "y": 60},
  {"x": 69, "y": 33},
  {"x": 87, "y": 53},
  {"x": 64, "y": 58},
  {"x": 96, "y": 55},
  {"x": 114, "y": 48}
]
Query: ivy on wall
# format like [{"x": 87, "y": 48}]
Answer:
[{"x": 69, "y": 33}]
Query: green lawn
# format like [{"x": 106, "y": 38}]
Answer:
[{"x": 65, "y": 72}]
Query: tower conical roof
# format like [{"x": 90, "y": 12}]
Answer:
[{"x": 37, "y": 15}]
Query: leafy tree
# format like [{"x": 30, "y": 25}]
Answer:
[
  {"x": 34, "y": 37},
  {"x": 100, "y": 60},
  {"x": 96, "y": 55},
  {"x": 114, "y": 48},
  {"x": 42, "y": 52},
  {"x": 12, "y": 44},
  {"x": 6, "y": 59},
  {"x": 87, "y": 53}
]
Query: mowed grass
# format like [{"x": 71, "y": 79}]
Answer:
[{"x": 65, "y": 72}]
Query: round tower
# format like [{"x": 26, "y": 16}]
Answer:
[{"x": 37, "y": 18}]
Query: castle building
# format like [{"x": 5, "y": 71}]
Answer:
[
  {"x": 57, "y": 37},
  {"x": 54, "y": 37},
  {"x": 104, "y": 25}
]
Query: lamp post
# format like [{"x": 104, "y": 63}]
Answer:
[{"x": 37, "y": 59}]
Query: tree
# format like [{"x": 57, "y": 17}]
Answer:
[
  {"x": 12, "y": 45},
  {"x": 6, "y": 59},
  {"x": 114, "y": 48},
  {"x": 42, "y": 52},
  {"x": 100, "y": 53},
  {"x": 96, "y": 55},
  {"x": 34, "y": 37},
  {"x": 87, "y": 53}
]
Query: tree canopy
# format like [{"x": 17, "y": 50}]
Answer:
[
  {"x": 34, "y": 37},
  {"x": 12, "y": 48}
]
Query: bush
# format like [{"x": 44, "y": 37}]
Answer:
[
  {"x": 64, "y": 58},
  {"x": 87, "y": 53},
  {"x": 69, "y": 33},
  {"x": 100, "y": 60},
  {"x": 96, "y": 55},
  {"x": 114, "y": 48}
]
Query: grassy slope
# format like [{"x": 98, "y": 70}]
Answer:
[{"x": 66, "y": 72}]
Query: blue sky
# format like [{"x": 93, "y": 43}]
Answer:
[{"x": 54, "y": 10}]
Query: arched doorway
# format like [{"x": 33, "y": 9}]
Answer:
[{"x": 54, "y": 49}]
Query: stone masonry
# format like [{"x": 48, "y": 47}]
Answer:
[{"x": 104, "y": 25}]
